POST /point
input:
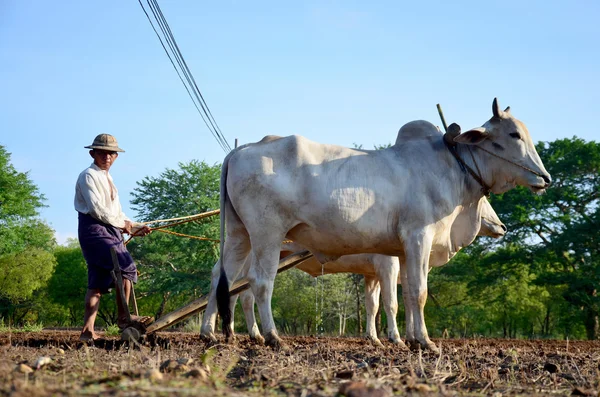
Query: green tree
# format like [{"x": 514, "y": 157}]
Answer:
[
  {"x": 450, "y": 311},
  {"x": 19, "y": 197},
  {"x": 176, "y": 269},
  {"x": 294, "y": 303},
  {"x": 303, "y": 304},
  {"x": 556, "y": 234},
  {"x": 24, "y": 272},
  {"x": 339, "y": 292},
  {"x": 26, "y": 261},
  {"x": 68, "y": 284}
]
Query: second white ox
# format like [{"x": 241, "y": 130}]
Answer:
[
  {"x": 381, "y": 274},
  {"x": 401, "y": 201}
]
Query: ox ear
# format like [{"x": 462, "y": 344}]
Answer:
[{"x": 472, "y": 137}]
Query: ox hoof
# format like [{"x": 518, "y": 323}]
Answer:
[
  {"x": 230, "y": 340},
  {"x": 426, "y": 345},
  {"x": 274, "y": 341},
  {"x": 208, "y": 337},
  {"x": 432, "y": 348},
  {"x": 398, "y": 342},
  {"x": 375, "y": 341},
  {"x": 257, "y": 339}
]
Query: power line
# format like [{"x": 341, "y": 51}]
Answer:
[
  {"x": 182, "y": 68},
  {"x": 186, "y": 67},
  {"x": 183, "y": 65}
]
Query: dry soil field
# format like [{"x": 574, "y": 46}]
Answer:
[{"x": 182, "y": 364}]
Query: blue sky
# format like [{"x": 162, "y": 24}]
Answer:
[{"x": 339, "y": 72}]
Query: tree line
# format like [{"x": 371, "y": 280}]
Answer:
[{"x": 539, "y": 281}]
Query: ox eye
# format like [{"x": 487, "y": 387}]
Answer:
[{"x": 515, "y": 135}]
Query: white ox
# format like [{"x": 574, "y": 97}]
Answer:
[
  {"x": 381, "y": 274},
  {"x": 401, "y": 201}
]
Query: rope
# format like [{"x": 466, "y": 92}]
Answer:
[
  {"x": 511, "y": 162},
  {"x": 484, "y": 188},
  {"x": 194, "y": 237},
  {"x": 182, "y": 220},
  {"x": 185, "y": 219},
  {"x": 189, "y": 236},
  {"x": 195, "y": 216}
]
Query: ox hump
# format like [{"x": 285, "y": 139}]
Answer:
[{"x": 417, "y": 129}]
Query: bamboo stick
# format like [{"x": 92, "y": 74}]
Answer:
[{"x": 439, "y": 108}]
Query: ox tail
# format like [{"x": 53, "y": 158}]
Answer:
[{"x": 222, "y": 293}]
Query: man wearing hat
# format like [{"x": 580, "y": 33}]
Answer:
[{"x": 101, "y": 222}]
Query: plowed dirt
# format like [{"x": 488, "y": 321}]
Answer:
[{"x": 306, "y": 366}]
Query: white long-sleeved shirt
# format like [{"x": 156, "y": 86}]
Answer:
[{"x": 93, "y": 196}]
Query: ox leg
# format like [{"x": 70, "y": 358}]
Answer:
[
  {"x": 417, "y": 246},
  {"x": 372, "y": 303},
  {"x": 261, "y": 276},
  {"x": 207, "y": 331},
  {"x": 389, "y": 291},
  {"x": 408, "y": 316},
  {"x": 232, "y": 302},
  {"x": 247, "y": 299},
  {"x": 236, "y": 263}
]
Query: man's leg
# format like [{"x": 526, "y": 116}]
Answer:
[
  {"x": 127, "y": 288},
  {"x": 92, "y": 302}
]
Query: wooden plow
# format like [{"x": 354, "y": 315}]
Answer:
[{"x": 136, "y": 332}]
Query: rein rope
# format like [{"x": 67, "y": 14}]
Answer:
[
  {"x": 189, "y": 217},
  {"x": 485, "y": 189},
  {"x": 477, "y": 176},
  {"x": 188, "y": 236},
  {"x": 181, "y": 220},
  {"x": 512, "y": 162}
]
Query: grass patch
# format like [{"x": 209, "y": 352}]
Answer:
[
  {"x": 192, "y": 325},
  {"x": 113, "y": 330},
  {"x": 27, "y": 327},
  {"x": 35, "y": 327}
]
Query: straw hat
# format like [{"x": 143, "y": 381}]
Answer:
[{"x": 105, "y": 142}]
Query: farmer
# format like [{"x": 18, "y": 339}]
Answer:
[{"x": 101, "y": 222}]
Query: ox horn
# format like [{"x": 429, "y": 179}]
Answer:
[
  {"x": 496, "y": 109},
  {"x": 453, "y": 132}
]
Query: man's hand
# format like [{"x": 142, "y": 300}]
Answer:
[
  {"x": 141, "y": 230},
  {"x": 128, "y": 226}
]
